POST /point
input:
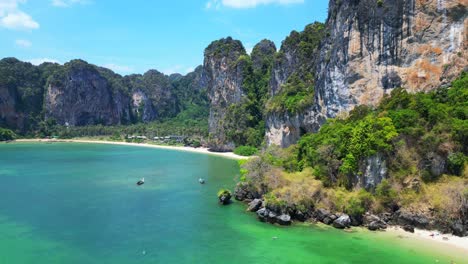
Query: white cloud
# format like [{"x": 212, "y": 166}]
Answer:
[
  {"x": 119, "y": 68},
  {"x": 178, "y": 69},
  {"x": 67, "y": 3},
  {"x": 11, "y": 17},
  {"x": 248, "y": 3},
  {"x": 39, "y": 61},
  {"x": 23, "y": 43}
]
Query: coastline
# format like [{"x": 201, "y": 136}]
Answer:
[
  {"x": 229, "y": 155},
  {"x": 432, "y": 237},
  {"x": 439, "y": 240}
]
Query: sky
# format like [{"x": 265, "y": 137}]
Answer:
[{"x": 138, "y": 35}]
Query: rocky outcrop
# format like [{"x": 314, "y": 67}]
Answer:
[
  {"x": 80, "y": 96},
  {"x": 78, "y": 93},
  {"x": 21, "y": 93},
  {"x": 255, "y": 205},
  {"x": 296, "y": 57},
  {"x": 372, "y": 47},
  {"x": 374, "y": 170},
  {"x": 224, "y": 75},
  {"x": 342, "y": 222},
  {"x": 263, "y": 54}
]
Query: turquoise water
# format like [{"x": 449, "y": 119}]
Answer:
[{"x": 78, "y": 203}]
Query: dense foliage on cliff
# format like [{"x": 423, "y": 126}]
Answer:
[
  {"x": 420, "y": 138},
  {"x": 244, "y": 122},
  {"x": 6, "y": 134},
  {"x": 38, "y": 100},
  {"x": 425, "y": 126},
  {"x": 297, "y": 92}
]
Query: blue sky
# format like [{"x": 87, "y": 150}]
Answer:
[{"x": 134, "y": 36}]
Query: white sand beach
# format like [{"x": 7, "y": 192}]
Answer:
[
  {"x": 431, "y": 236},
  {"x": 229, "y": 155}
]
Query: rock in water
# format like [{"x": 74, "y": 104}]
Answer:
[
  {"x": 342, "y": 222},
  {"x": 284, "y": 219},
  {"x": 321, "y": 214},
  {"x": 224, "y": 197},
  {"x": 255, "y": 205}
]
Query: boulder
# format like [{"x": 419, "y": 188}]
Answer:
[
  {"x": 342, "y": 222},
  {"x": 329, "y": 219},
  {"x": 376, "y": 225},
  {"x": 458, "y": 229},
  {"x": 369, "y": 218},
  {"x": 284, "y": 219},
  {"x": 245, "y": 191},
  {"x": 409, "y": 218},
  {"x": 225, "y": 198},
  {"x": 321, "y": 214},
  {"x": 262, "y": 214},
  {"x": 300, "y": 216},
  {"x": 254, "y": 205},
  {"x": 408, "y": 228},
  {"x": 272, "y": 217}
]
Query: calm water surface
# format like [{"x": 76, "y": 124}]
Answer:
[{"x": 78, "y": 203}]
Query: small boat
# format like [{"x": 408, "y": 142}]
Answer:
[
  {"x": 141, "y": 182},
  {"x": 201, "y": 181}
]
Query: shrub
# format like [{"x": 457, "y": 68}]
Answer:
[
  {"x": 6, "y": 134},
  {"x": 245, "y": 151},
  {"x": 456, "y": 162},
  {"x": 386, "y": 194}
]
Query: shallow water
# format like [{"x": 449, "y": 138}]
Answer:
[{"x": 78, "y": 203}]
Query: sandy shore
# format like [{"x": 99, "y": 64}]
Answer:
[
  {"x": 433, "y": 237},
  {"x": 229, "y": 155}
]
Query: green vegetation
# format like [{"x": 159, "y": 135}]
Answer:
[
  {"x": 245, "y": 150},
  {"x": 180, "y": 102},
  {"x": 6, "y": 134},
  {"x": 298, "y": 91},
  {"x": 422, "y": 137},
  {"x": 295, "y": 95}
]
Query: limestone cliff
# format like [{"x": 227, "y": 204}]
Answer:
[
  {"x": 370, "y": 48},
  {"x": 223, "y": 71},
  {"x": 79, "y": 95}
]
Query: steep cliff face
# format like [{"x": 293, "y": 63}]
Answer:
[
  {"x": 296, "y": 58},
  {"x": 21, "y": 93},
  {"x": 370, "y": 48},
  {"x": 223, "y": 71},
  {"x": 79, "y": 96}
]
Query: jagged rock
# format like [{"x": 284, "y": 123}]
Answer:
[
  {"x": 416, "y": 220},
  {"x": 224, "y": 78},
  {"x": 225, "y": 198},
  {"x": 377, "y": 225},
  {"x": 369, "y": 218},
  {"x": 329, "y": 219},
  {"x": 375, "y": 170},
  {"x": 255, "y": 205},
  {"x": 272, "y": 216},
  {"x": 408, "y": 228},
  {"x": 321, "y": 214},
  {"x": 300, "y": 216},
  {"x": 458, "y": 228},
  {"x": 283, "y": 219},
  {"x": 368, "y": 51},
  {"x": 343, "y": 221},
  {"x": 356, "y": 220},
  {"x": 262, "y": 214},
  {"x": 245, "y": 191}
]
